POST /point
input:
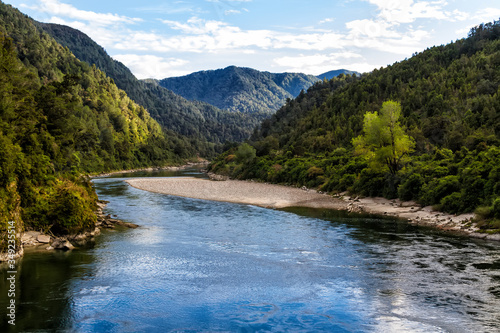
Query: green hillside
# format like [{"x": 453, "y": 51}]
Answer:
[
  {"x": 450, "y": 101},
  {"x": 239, "y": 89},
  {"x": 200, "y": 121},
  {"x": 61, "y": 118}
]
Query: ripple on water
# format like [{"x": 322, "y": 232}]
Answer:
[{"x": 195, "y": 265}]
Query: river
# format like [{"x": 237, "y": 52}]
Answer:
[{"x": 197, "y": 265}]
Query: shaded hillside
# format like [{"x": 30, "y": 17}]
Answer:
[
  {"x": 61, "y": 118},
  {"x": 240, "y": 89},
  {"x": 450, "y": 108},
  {"x": 331, "y": 74},
  {"x": 197, "y": 120}
]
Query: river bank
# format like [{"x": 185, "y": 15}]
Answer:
[
  {"x": 278, "y": 196},
  {"x": 164, "y": 168},
  {"x": 39, "y": 241}
]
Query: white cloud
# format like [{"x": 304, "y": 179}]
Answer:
[
  {"x": 486, "y": 15},
  {"x": 407, "y": 11},
  {"x": 57, "y": 8},
  {"x": 457, "y": 15},
  {"x": 372, "y": 29},
  {"x": 327, "y": 20},
  {"x": 316, "y": 63},
  {"x": 200, "y": 35},
  {"x": 150, "y": 66}
]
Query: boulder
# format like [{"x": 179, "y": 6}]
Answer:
[
  {"x": 62, "y": 244},
  {"x": 43, "y": 239}
]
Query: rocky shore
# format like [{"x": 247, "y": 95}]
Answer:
[
  {"x": 277, "y": 196},
  {"x": 39, "y": 240}
]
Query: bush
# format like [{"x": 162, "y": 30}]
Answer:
[
  {"x": 245, "y": 153},
  {"x": 411, "y": 187},
  {"x": 73, "y": 208},
  {"x": 452, "y": 203},
  {"x": 370, "y": 183},
  {"x": 437, "y": 189},
  {"x": 495, "y": 208},
  {"x": 346, "y": 182}
]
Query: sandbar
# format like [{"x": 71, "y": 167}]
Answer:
[{"x": 279, "y": 196}]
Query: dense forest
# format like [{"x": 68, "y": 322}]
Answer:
[
  {"x": 424, "y": 129},
  {"x": 61, "y": 118},
  {"x": 239, "y": 89},
  {"x": 207, "y": 126}
]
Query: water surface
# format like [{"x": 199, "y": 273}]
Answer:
[{"x": 197, "y": 265}]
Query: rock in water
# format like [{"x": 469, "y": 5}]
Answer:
[{"x": 62, "y": 244}]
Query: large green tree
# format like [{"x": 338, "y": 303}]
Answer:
[{"x": 384, "y": 140}]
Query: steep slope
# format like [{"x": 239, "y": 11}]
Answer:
[
  {"x": 331, "y": 74},
  {"x": 197, "y": 120},
  {"x": 59, "y": 118},
  {"x": 450, "y": 101},
  {"x": 240, "y": 89}
]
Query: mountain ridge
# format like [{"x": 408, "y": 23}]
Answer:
[
  {"x": 336, "y": 72},
  {"x": 197, "y": 120},
  {"x": 447, "y": 102},
  {"x": 242, "y": 89}
]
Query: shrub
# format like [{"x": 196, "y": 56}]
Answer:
[
  {"x": 437, "y": 189},
  {"x": 495, "y": 208},
  {"x": 314, "y": 172},
  {"x": 72, "y": 208},
  {"x": 346, "y": 182},
  {"x": 411, "y": 187},
  {"x": 452, "y": 203},
  {"x": 245, "y": 153},
  {"x": 370, "y": 183}
]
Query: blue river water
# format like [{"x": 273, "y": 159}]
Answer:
[{"x": 202, "y": 266}]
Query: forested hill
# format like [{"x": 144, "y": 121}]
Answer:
[
  {"x": 195, "y": 119},
  {"x": 444, "y": 122},
  {"x": 332, "y": 74},
  {"x": 240, "y": 89},
  {"x": 60, "y": 118}
]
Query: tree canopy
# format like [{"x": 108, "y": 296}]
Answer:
[{"x": 384, "y": 140}]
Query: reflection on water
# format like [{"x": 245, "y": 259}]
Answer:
[{"x": 196, "y": 265}]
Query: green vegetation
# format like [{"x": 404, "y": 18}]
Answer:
[
  {"x": 206, "y": 126},
  {"x": 440, "y": 147},
  {"x": 384, "y": 140},
  {"x": 242, "y": 90},
  {"x": 60, "y": 119}
]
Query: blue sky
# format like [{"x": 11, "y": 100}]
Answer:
[{"x": 158, "y": 39}]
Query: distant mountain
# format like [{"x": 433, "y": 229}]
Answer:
[
  {"x": 240, "y": 89},
  {"x": 331, "y": 74},
  {"x": 197, "y": 120},
  {"x": 446, "y": 98}
]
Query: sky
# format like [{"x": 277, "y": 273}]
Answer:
[{"x": 159, "y": 39}]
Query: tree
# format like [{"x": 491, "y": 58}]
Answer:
[
  {"x": 384, "y": 140},
  {"x": 245, "y": 153}
]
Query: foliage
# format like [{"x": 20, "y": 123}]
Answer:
[
  {"x": 60, "y": 118},
  {"x": 239, "y": 89},
  {"x": 384, "y": 139},
  {"x": 449, "y": 99},
  {"x": 207, "y": 126},
  {"x": 245, "y": 153}
]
